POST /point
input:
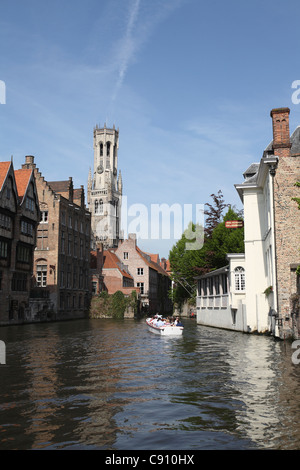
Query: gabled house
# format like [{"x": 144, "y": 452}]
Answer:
[
  {"x": 152, "y": 280},
  {"x": 115, "y": 275},
  {"x": 19, "y": 217}
]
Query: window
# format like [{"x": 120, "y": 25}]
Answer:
[
  {"x": 23, "y": 254},
  {"x": 224, "y": 283},
  {"x": 96, "y": 207},
  {"x": 239, "y": 278},
  {"x": 217, "y": 285},
  {"x": 26, "y": 228},
  {"x": 42, "y": 239},
  {"x": 44, "y": 217},
  {"x": 62, "y": 242},
  {"x": 125, "y": 255},
  {"x": 141, "y": 286},
  {"x": 69, "y": 245},
  {"x": 30, "y": 204},
  {"x": 101, "y": 149},
  {"x": 100, "y": 206},
  {"x": 140, "y": 271},
  {"x": 41, "y": 275},
  {"x": 5, "y": 222},
  {"x": 3, "y": 249},
  {"x": 19, "y": 282}
]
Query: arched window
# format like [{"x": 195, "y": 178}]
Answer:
[
  {"x": 101, "y": 149},
  {"x": 108, "y": 149},
  {"x": 100, "y": 206},
  {"x": 239, "y": 278},
  {"x": 96, "y": 207}
]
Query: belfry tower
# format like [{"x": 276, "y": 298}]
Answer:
[{"x": 104, "y": 192}]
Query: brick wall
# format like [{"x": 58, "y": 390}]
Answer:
[{"x": 286, "y": 215}]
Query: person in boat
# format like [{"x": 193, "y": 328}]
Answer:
[
  {"x": 159, "y": 321},
  {"x": 178, "y": 322}
]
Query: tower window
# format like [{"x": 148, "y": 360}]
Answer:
[
  {"x": 96, "y": 207},
  {"x": 101, "y": 206},
  {"x": 101, "y": 149},
  {"x": 108, "y": 149}
]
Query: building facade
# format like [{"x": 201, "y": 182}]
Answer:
[
  {"x": 19, "y": 216},
  {"x": 104, "y": 194},
  {"x": 152, "y": 280},
  {"x": 272, "y": 238},
  {"x": 62, "y": 255}
]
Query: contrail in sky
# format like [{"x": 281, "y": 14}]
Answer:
[{"x": 128, "y": 46}]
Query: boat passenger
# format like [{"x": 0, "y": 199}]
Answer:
[{"x": 159, "y": 322}]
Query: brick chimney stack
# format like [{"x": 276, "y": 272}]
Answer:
[
  {"x": 29, "y": 162},
  {"x": 281, "y": 129}
]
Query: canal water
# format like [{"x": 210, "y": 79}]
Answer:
[{"x": 112, "y": 385}]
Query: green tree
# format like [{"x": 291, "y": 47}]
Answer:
[{"x": 218, "y": 241}]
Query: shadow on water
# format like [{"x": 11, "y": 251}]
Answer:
[{"x": 105, "y": 384}]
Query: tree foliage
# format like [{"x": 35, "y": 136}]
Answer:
[{"x": 218, "y": 241}]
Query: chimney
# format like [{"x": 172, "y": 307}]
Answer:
[
  {"x": 70, "y": 189},
  {"x": 29, "y": 163},
  {"x": 281, "y": 128}
]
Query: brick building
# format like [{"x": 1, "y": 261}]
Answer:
[
  {"x": 62, "y": 254},
  {"x": 286, "y": 217},
  {"x": 148, "y": 275},
  {"x": 19, "y": 216},
  {"x": 116, "y": 275}
]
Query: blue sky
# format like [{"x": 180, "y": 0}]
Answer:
[{"x": 190, "y": 85}]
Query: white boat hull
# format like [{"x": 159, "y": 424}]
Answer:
[{"x": 165, "y": 330}]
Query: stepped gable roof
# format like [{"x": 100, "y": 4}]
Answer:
[
  {"x": 4, "y": 167},
  {"x": 22, "y": 180},
  {"x": 61, "y": 187},
  {"x": 111, "y": 261}
]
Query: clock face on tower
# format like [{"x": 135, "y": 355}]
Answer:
[{"x": 100, "y": 169}]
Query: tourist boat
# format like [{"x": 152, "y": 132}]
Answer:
[{"x": 165, "y": 330}]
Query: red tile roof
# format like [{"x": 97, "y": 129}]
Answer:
[
  {"x": 22, "y": 179},
  {"x": 151, "y": 264},
  {"x": 4, "y": 167},
  {"x": 111, "y": 261}
]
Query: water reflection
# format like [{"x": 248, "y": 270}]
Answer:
[{"x": 113, "y": 385}]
